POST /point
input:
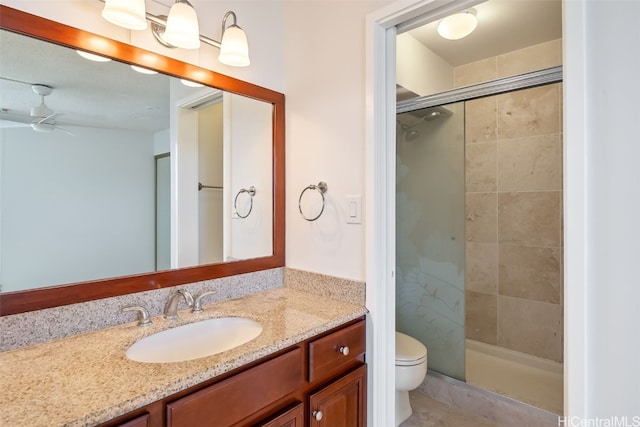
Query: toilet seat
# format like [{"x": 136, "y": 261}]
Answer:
[{"x": 409, "y": 351}]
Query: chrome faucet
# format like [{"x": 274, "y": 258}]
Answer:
[{"x": 171, "y": 307}]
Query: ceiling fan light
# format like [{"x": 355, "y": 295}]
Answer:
[
  {"x": 43, "y": 127},
  {"x": 129, "y": 14},
  {"x": 41, "y": 111},
  {"x": 458, "y": 25},
  {"x": 182, "y": 26},
  {"x": 234, "y": 49}
]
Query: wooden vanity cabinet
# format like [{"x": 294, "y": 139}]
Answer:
[
  {"x": 323, "y": 375},
  {"x": 293, "y": 417},
  {"x": 341, "y": 403}
]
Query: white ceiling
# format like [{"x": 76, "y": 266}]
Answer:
[
  {"x": 87, "y": 93},
  {"x": 503, "y": 26}
]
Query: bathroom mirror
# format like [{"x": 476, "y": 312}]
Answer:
[{"x": 116, "y": 183}]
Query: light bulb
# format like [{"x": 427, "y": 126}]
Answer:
[
  {"x": 234, "y": 49},
  {"x": 458, "y": 25},
  {"x": 125, "y": 13},
  {"x": 182, "y": 26}
]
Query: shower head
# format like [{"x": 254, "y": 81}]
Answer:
[{"x": 432, "y": 115}]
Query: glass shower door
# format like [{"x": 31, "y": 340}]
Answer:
[{"x": 430, "y": 246}]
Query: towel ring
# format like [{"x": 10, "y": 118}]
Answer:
[
  {"x": 251, "y": 192},
  {"x": 322, "y": 188}
]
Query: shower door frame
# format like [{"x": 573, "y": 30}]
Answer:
[
  {"x": 461, "y": 95},
  {"x": 481, "y": 90}
]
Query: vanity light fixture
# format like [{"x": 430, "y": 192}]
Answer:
[
  {"x": 125, "y": 13},
  {"x": 234, "y": 49},
  {"x": 181, "y": 29},
  {"x": 459, "y": 25}
]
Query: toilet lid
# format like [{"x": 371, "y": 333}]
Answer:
[{"x": 409, "y": 349}]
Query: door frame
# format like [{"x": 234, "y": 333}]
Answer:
[{"x": 380, "y": 82}]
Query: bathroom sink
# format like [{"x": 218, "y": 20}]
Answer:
[{"x": 194, "y": 340}]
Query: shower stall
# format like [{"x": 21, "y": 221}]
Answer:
[{"x": 479, "y": 235}]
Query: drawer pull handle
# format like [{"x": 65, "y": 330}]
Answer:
[
  {"x": 344, "y": 350},
  {"x": 317, "y": 415}
]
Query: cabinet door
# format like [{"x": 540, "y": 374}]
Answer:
[
  {"x": 294, "y": 417},
  {"x": 341, "y": 403}
]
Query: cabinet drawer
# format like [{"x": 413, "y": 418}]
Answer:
[
  {"x": 236, "y": 398},
  {"x": 327, "y": 354},
  {"x": 141, "y": 421}
]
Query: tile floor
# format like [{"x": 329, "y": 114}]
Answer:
[{"x": 431, "y": 413}]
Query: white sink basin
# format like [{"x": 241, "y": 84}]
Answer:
[{"x": 194, "y": 340}]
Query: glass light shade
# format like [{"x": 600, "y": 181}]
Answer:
[
  {"x": 458, "y": 26},
  {"x": 182, "y": 27},
  {"x": 234, "y": 49},
  {"x": 125, "y": 13}
]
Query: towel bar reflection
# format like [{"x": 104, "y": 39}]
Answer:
[
  {"x": 322, "y": 188},
  {"x": 201, "y": 186},
  {"x": 251, "y": 192}
]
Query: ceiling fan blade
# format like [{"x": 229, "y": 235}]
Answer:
[
  {"x": 8, "y": 123},
  {"x": 44, "y": 120},
  {"x": 17, "y": 118},
  {"x": 68, "y": 132}
]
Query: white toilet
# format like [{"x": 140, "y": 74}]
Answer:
[{"x": 411, "y": 368}]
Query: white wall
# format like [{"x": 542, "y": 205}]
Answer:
[
  {"x": 248, "y": 145},
  {"x": 420, "y": 70},
  {"x": 76, "y": 230},
  {"x": 324, "y": 72},
  {"x": 603, "y": 292},
  {"x": 210, "y": 173}
]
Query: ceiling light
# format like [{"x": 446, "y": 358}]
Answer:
[
  {"x": 234, "y": 49},
  {"x": 143, "y": 70},
  {"x": 92, "y": 56},
  {"x": 182, "y": 28},
  {"x": 458, "y": 25},
  {"x": 125, "y": 13}
]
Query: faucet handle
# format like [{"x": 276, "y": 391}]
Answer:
[
  {"x": 197, "y": 306},
  {"x": 143, "y": 314},
  {"x": 188, "y": 298}
]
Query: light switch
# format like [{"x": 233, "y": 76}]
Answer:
[{"x": 354, "y": 210}]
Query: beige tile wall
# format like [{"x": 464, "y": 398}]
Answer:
[{"x": 513, "y": 208}]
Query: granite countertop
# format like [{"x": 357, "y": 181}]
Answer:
[{"x": 86, "y": 379}]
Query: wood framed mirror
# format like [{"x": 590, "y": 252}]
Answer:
[{"x": 32, "y": 26}]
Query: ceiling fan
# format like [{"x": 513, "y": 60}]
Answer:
[{"x": 41, "y": 118}]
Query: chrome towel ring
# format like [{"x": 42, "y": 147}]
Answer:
[
  {"x": 322, "y": 188},
  {"x": 251, "y": 192}
]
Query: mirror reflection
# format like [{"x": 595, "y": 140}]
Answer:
[{"x": 106, "y": 171}]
